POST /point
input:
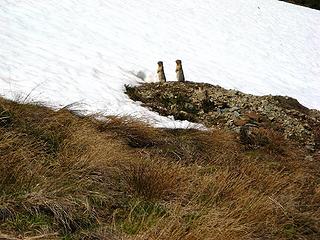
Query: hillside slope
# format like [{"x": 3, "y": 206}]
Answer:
[{"x": 64, "y": 176}]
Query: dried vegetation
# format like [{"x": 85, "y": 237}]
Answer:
[{"x": 63, "y": 176}]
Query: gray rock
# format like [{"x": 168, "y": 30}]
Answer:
[
  {"x": 214, "y": 106},
  {"x": 236, "y": 114}
]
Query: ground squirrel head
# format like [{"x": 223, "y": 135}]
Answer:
[
  {"x": 178, "y": 62},
  {"x": 160, "y": 63}
]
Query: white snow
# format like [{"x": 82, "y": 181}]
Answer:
[{"x": 61, "y": 52}]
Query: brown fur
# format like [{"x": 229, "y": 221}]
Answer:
[
  {"x": 179, "y": 71},
  {"x": 160, "y": 71}
]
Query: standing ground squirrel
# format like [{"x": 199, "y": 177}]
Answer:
[
  {"x": 160, "y": 71},
  {"x": 179, "y": 71}
]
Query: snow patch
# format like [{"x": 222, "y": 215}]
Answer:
[{"x": 62, "y": 52}]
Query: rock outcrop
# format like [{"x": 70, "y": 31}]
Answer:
[{"x": 243, "y": 113}]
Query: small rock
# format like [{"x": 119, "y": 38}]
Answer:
[
  {"x": 237, "y": 129},
  {"x": 230, "y": 122},
  {"x": 236, "y": 114},
  {"x": 306, "y": 126},
  {"x": 240, "y": 122},
  {"x": 309, "y": 158},
  {"x": 310, "y": 147},
  {"x": 233, "y": 109},
  {"x": 253, "y": 115},
  {"x": 271, "y": 118},
  {"x": 252, "y": 125}
]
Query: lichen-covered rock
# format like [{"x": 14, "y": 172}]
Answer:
[{"x": 217, "y": 107}]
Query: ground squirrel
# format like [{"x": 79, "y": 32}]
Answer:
[
  {"x": 179, "y": 71},
  {"x": 160, "y": 71}
]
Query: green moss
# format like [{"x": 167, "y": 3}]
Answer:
[
  {"x": 27, "y": 222},
  {"x": 139, "y": 215},
  {"x": 290, "y": 231},
  {"x": 190, "y": 218}
]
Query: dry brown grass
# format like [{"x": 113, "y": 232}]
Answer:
[{"x": 71, "y": 177}]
